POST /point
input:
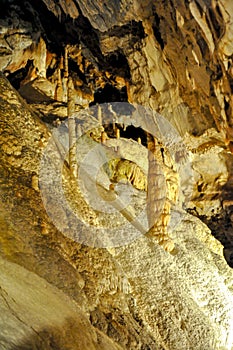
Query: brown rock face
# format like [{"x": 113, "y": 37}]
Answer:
[
  {"x": 138, "y": 43},
  {"x": 171, "y": 57}
]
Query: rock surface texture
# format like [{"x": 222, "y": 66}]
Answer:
[{"x": 173, "y": 57}]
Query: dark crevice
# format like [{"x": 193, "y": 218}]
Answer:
[
  {"x": 110, "y": 94},
  {"x": 231, "y": 84},
  {"x": 221, "y": 228},
  {"x": 156, "y": 31},
  {"x": 216, "y": 25},
  {"x": 134, "y": 28},
  {"x": 89, "y": 38},
  {"x": 173, "y": 14},
  {"x": 127, "y": 132},
  {"x": 131, "y": 132},
  {"x": 73, "y": 67},
  {"x": 54, "y": 32},
  {"x": 118, "y": 64},
  {"x": 203, "y": 46},
  {"x": 218, "y": 72},
  {"x": 18, "y": 76},
  {"x": 227, "y": 109},
  {"x": 200, "y": 6},
  {"x": 9, "y": 6}
]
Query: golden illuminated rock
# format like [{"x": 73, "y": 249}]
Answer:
[{"x": 175, "y": 58}]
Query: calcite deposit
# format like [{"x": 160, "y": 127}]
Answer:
[{"x": 86, "y": 70}]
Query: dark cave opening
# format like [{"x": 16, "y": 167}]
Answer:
[
  {"x": 131, "y": 132},
  {"x": 110, "y": 93},
  {"x": 118, "y": 64},
  {"x": 220, "y": 225},
  {"x": 74, "y": 69},
  {"x": 19, "y": 75},
  {"x": 127, "y": 132},
  {"x": 116, "y": 119}
]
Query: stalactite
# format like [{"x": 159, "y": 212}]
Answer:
[
  {"x": 72, "y": 128},
  {"x": 66, "y": 69},
  {"x": 59, "y": 90}
]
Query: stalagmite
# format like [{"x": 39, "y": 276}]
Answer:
[
  {"x": 99, "y": 112},
  {"x": 118, "y": 135},
  {"x": 103, "y": 137},
  {"x": 158, "y": 207},
  {"x": 79, "y": 130},
  {"x": 91, "y": 244}
]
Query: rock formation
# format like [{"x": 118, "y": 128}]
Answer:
[{"x": 170, "y": 57}]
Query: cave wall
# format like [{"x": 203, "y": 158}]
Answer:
[
  {"x": 128, "y": 52},
  {"x": 133, "y": 46}
]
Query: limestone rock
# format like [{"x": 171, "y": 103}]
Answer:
[
  {"x": 172, "y": 56},
  {"x": 87, "y": 276},
  {"x": 181, "y": 297},
  {"x": 69, "y": 8},
  {"x": 34, "y": 314},
  {"x": 210, "y": 171}
]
